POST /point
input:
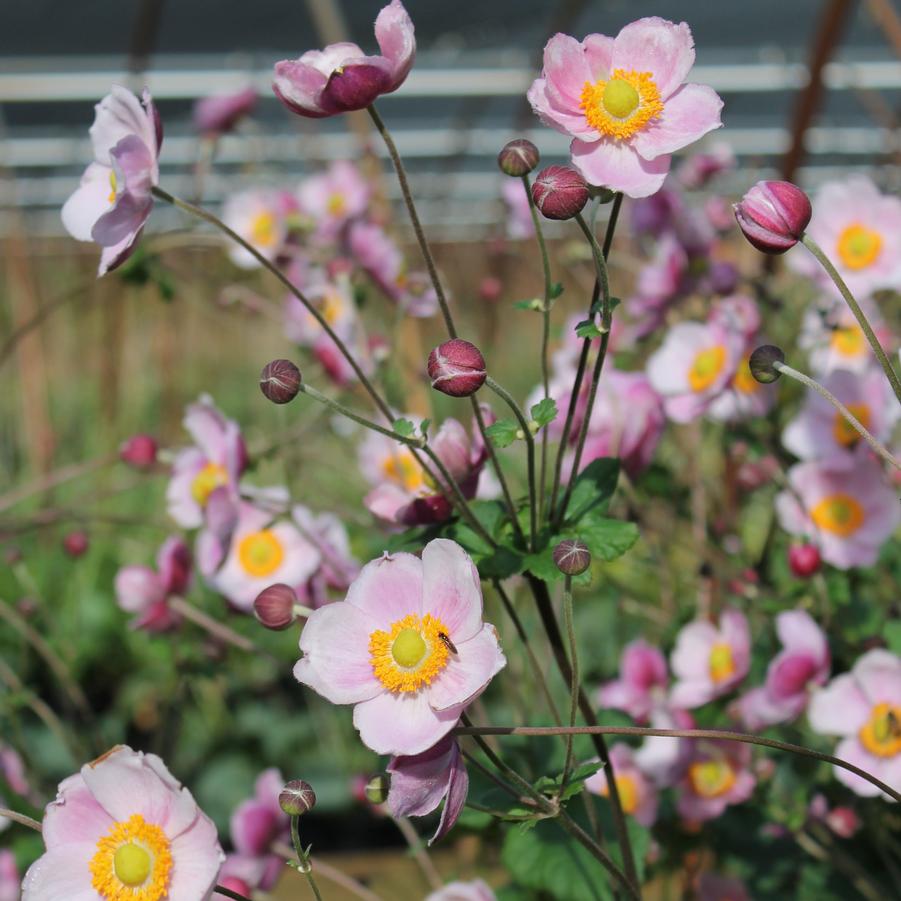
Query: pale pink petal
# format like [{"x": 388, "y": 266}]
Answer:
[
  {"x": 388, "y": 589},
  {"x": 616, "y": 165},
  {"x": 691, "y": 656},
  {"x": 113, "y": 257},
  {"x": 840, "y": 708},
  {"x": 402, "y": 723},
  {"x": 388, "y": 502},
  {"x": 118, "y": 115},
  {"x": 206, "y": 425},
  {"x": 852, "y": 751},
  {"x": 418, "y": 783},
  {"x": 692, "y": 112},
  {"x": 457, "y": 790},
  {"x": 75, "y": 815},
  {"x": 566, "y": 121},
  {"x": 798, "y": 632},
  {"x": 89, "y": 202},
  {"x": 61, "y": 874},
  {"x": 566, "y": 71},
  {"x": 599, "y": 56},
  {"x": 654, "y": 45},
  {"x": 300, "y": 86},
  {"x": 878, "y": 673},
  {"x": 396, "y": 39},
  {"x": 468, "y": 671},
  {"x": 253, "y": 827},
  {"x": 197, "y": 859},
  {"x": 450, "y": 590},
  {"x": 138, "y": 587}
]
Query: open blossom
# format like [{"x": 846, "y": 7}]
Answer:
[
  {"x": 637, "y": 794},
  {"x": 801, "y": 665},
  {"x": 834, "y": 340},
  {"x": 114, "y": 200},
  {"x": 259, "y": 217},
  {"x": 463, "y": 891},
  {"x": 407, "y": 647},
  {"x": 642, "y": 682},
  {"x": 334, "y": 197},
  {"x": 341, "y": 77},
  {"x": 843, "y": 505},
  {"x": 624, "y": 103},
  {"x": 333, "y": 299},
  {"x": 659, "y": 757},
  {"x": 124, "y": 827},
  {"x": 864, "y": 707},
  {"x": 338, "y": 566},
  {"x": 145, "y": 592},
  {"x": 220, "y": 113},
  {"x": 715, "y": 775},
  {"x": 708, "y": 661}
]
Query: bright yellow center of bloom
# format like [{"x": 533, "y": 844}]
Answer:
[
  {"x": 133, "y": 862},
  {"x": 336, "y": 204},
  {"x": 411, "y": 655},
  {"x": 843, "y": 432},
  {"x": 859, "y": 246},
  {"x": 839, "y": 513},
  {"x": 211, "y": 477},
  {"x": 881, "y": 734},
  {"x": 401, "y": 467},
  {"x": 263, "y": 231},
  {"x": 721, "y": 663},
  {"x": 261, "y": 553},
  {"x": 707, "y": 366},
  {"x": 744, "y": 382},
  {"x": 112, "y": 184},
  {"x": 622, "y": 105},
  {"x": 711, "y": 778},
  {"x": 628, "y": 792},
  {"x": 849, "y": 342}
]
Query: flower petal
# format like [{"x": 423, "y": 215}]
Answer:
[
  {"x": 840, "y": 708},
  {"x": 197, "y": 859},
  {"x": 61, "y": 874},
  {"x": 403, "y": 723},
  {"x": 468, "y": 671},
  {"x": 394, "y": 33},
  {"x": 89, "y": 202},
  {"x": 75, "y": 815},
  {"x": 617, "y": 166},
  {"x": 388, "y": 589},
  {"x": 692, "y": 112},
  {"x": 450, "y": 589},
  {"x": 654, "y": 45}
]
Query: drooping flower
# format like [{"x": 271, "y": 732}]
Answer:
[
  {"x": 258, "y": 216},
  {"x": 334, "y": 197},
  {"x": 114, "y": 200},
  {"x": 638, "y": 796},
  {"x": 407, "y": 647},
  {"x": 341, "y": 77},
  {"x": 709, "y": 661},
  {"x": 844, "y": 505},
  {"x": 145, "y": 592},
  {"x": 642, "y": 682},
  {"x": 864, "y": 707},
  {"x": 715, "y": 775},
  {"x": 624, "y": 103},
  {"x": 220, "y": 113},
  {"x": 121, "y": 828},
  {"x": 477, "y": 890}
]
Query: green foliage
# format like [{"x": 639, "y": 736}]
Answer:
[
  {"x": 503, "y": 432},
  {"x": 544, "y": 412},
  {"x": 404, "y": 428},
  {"x": 588, "y": 329}
]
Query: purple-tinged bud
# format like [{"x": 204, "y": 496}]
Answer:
[
  {"x": 762, "y": 363},
  {"x": 139, "y": 451},
  {"x": 297, "y": 798},
  {"x": 572, "y": 557},
  {"x": 280, "y": 381},
  {"x": 773, "y": 215},
  {"x": 377, "y": 787},
  {"x": 355, "y": 87},
  {"x": 559, "y": 192},
  {"x": 274, "y": 607},
  {"x": 76, "y": 544},
  {"x": 457, "y": 368},
  {"x": 518, "y": 158},
  {"x": 804, "y": 560}
]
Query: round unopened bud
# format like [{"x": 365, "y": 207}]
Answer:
[
  {"x": 762, "y": 363},
  {"x": 804, "y": 560},
  {"x": 572, "y": 557},
  {"x": 457, "y": 368},
  {"x": 773, "y": 215},
  {"x": 280, "y": 381},
  {"x": 377, "y": 787},
  {"x": 75, "y": 544},
  {"x": 518, "y": 158},
  {"x": 297, "y": 798},
  {"x": 559, "y": 192},
  {"x": 139, "y": 451},
  {"x": 274, "y": 607}
]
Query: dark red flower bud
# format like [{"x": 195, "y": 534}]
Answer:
[
  {"x": 762, "y": 363},
  {"x": 773, "y": 215},
  {"x": 518, "y": 158},
  {"x": 572, "y": 557},
  {"x": 804, "y": 560},
  {"x": 559, "y": 192},
  {"x": 76, "y": 543},
  {"x": 457, "y": 368},
  {"x": 139, "y": 451},
  {"x": 274, "y": 607},
  {"x": 297, "y": 798},
  {"x": 280, "y": 381}
]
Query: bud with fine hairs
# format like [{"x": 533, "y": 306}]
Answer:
[
  {"x": 773, "y": 215},
  {"x": 518, "y": 158},
  {"x": 297, "y": 798},
  {"x": 457, "y": 368},
  {"x": 559, "y": 192},
  {"x": 572, "y": 557},
  {"x": 280, "y": 381},
  {"x": 274, "y": 607}
]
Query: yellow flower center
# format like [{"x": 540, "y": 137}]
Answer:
[
  {"x": 622, "y": 105},
  {"x": 721, "y": 663},
  {"x": 881, "y": 734},
  {"x": 744, "y": 382},
  {"x": 859, "y": 246},
  {"x": 839, "y": 513},
  {"x": 133, "y": 862},
  {"x": 112, "y": 184},
  {"x": 261, "y": 553},
  {"x": 711, "y": 778},
  {"x": 628, "y": 792},
  {"x": 707, "y": 366},
  {"x": 849, "y": 342},
  {"x": 411, "y": 655},
  {"x": 263, "y": 231},
  {"x": 211, "y": 477},
  {"x": 336, "y": 204},
  {"x": 401, "y": 467},
  {"x": 843, "y": 432}
]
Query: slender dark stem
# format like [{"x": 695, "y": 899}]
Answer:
[
  {"x": 414, "y": 218},
  {"x": 230, "y": 893},
  {"x": 574, "y": 680},
  {"x": 20, "y": 818}
]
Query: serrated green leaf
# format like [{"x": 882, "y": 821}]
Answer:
[
  {"x": 404, "y": 427},
  {"x": 556, "y": 290},
  {"x": 606, "y": 538},
  {"x": 587, "y": 329},
  {"x": 594, "y": 487},
  {"x": 424, "y": 427},
  {"x": 503, "y": 432},
  {"x": 544, "y": 412}
]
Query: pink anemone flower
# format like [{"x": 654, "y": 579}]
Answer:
[
  {"x": 327, "y": 533},
  {"x": 715, "y": 775},
  {"x": 114, "y": 200},
  {"x": 407, "y": 647},
  {"x": 220, "y": 113},
  {"x": 341, "y": 77},
  {"x": 258, "y": 216},
  {"x": 637, "y": 794},
  {"x": 334, "y": 197},
  {"x": 642, "y": 683},
  {"x": 834, "y": 340},
  {"x": 146, "y": 592},
  {"x": 124, "y": 827},
  {"x": 624, "y": 103}
]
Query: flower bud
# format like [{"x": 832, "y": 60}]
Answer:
[
  {"x": 457, "y": 368},
  {"x": 761, "y": 363},
  {"x": 377, "y": 788},
  {"x": 491, "y": 288},
  {"x": 280, "y": 381},
  {"x": 843, "y": 821},
  {"x": 274, "y": 607},
  {"x": 518, "y": 158},
  {"x": 139, "y": 451},
  {"x": 804, "y": 560},
  {"x": 572, "y": 557},
  {"x": 773, "y": 215},
  {"x": 75, "y": 544},
  {"x": 559, "y": 192},
  {"x": 297, "y": 798}
]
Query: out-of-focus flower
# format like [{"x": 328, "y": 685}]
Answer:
[
  {"x": 138, "y": 451},
  {"x": 699, "y": 168},
  {"x": 463, "y": 891},
  {"x": 76, "y": 543},
  {"x": 624, "y": 103},
  {"x": 716, "y": 775},
  {"x": 338, "y": 566},
  {"x": 145, "y": 592},
  {"x": 864, "y": 707},
  {"x": 407, "y": 647},
  {"x": 258, "y": 217},
  {"x": 637, "y": 795},
  {"x": 421, "y": 782},
  {"x": 844, "y": 505},
  {"x": 642, "y": 682},
  {"x": 661, "y": 758},
  {"x": 834, "y": 340},
  {"x": 12, "y": 772},
  {"x": 9, "y": 876},
  {"x": 843, "y": 821},
  {"x": 333, "y": 299},
  {"x": 341, "y": 77},
  {"x": 519, "y": 212},
  {"x": 124, "y": 825},
  {"x": 716, "y": 887},
  {"x": 113, "y": 202},
  {"x": 220, "y": 113},
  {"x": 334, "y": 197},
  {"x": 773, "y": 215}
]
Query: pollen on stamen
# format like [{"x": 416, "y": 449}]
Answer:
[
  {"x": 407, "y": 679},
  {"x": 599, "y": 115}
]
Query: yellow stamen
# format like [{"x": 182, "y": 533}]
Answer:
[
  {"x": 838, "y": 513},
  {"x": 721, "y": 662},
  {"x": 263, "y": 230},
  {"x": 622, "y": 105},
  {"x": 261, "y": 553},
  {"x": 411, "y": 655},
  {"x": 211, "y": 477},
  {"x": 133, "y": 862},
  {"x": 843, "y": 432},
  {"x": 112, "y": 184},
  {"x": 401, "y": 467},
  {"x": 849, "y": 342},
  {"x": 859, "y": 246},
  {"x": 881, "y": 734},
  {"x": 711, "y": 778},
  {"x": 337, "y": 204},
  {"x": 706, "y": 368}
]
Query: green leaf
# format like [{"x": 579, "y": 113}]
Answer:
[
  {"x": 549, "y": 785},
  {"x": 892, "y": 632},
  {"x": 587, "y": 329},
  {"x": 594, "y": 487},
  {"x": 533, "y": 303},
  {"x": 404, "y": 427},
  {"x": 424, "y": 427},
  {"x": 503, "y": 432},
  {"x": 556, "y": 290},
  {"x": 544, "y": 412},
  {"x": 607, "y": 539}
]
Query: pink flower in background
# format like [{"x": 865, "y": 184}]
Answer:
[
  {"x": 642, "y": 683},
  {"x": 420, "y": 783},
  {"x": 708, "y": 661},
  {"x": 834, "y": 340},
  {"x": 463, "y": 891},
  {"x": 801, "y": 665},
  {"x": 258, "y": 216},
  {"x": 113, "y": 202},
  {"x": 519, "y": 211},
  {"x": 145, "y": 592},
  {"x": 700, "y": 168},
  {"x": 715, "y": 775},
  {"x": 843, "y": 505},
  {"x": 334, "y": 301},
  {"x": 220, "y": 113},
  {"x": 624, "y": 103},
  {"x": 216, "y": 460},
  {"x": 338, "y": 567},
  {"x": 334, "y": 197},
  {"x": 407, "y": 647},
  {"x": 9, "y": 876},
  {"x": 638, "y": 796},
  {"x": 660, "y": 283},
  {"x": 12, "y": 773},
  {"x": 341, "y": 78},
  {"x": 124, "y": 825},
  {"x": 864, "y": 707},
  {"x": 661, "y": 758}
]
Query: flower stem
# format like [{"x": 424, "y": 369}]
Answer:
[
  {"x": 304, "y": 864},
  {"x": 862, "y": 320},
  {"x": 574, "y": 681},
  {"x": 219, "y": 631},
  {"x": 229, "y": 893},
  {"x": 20, "y": 818}
]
